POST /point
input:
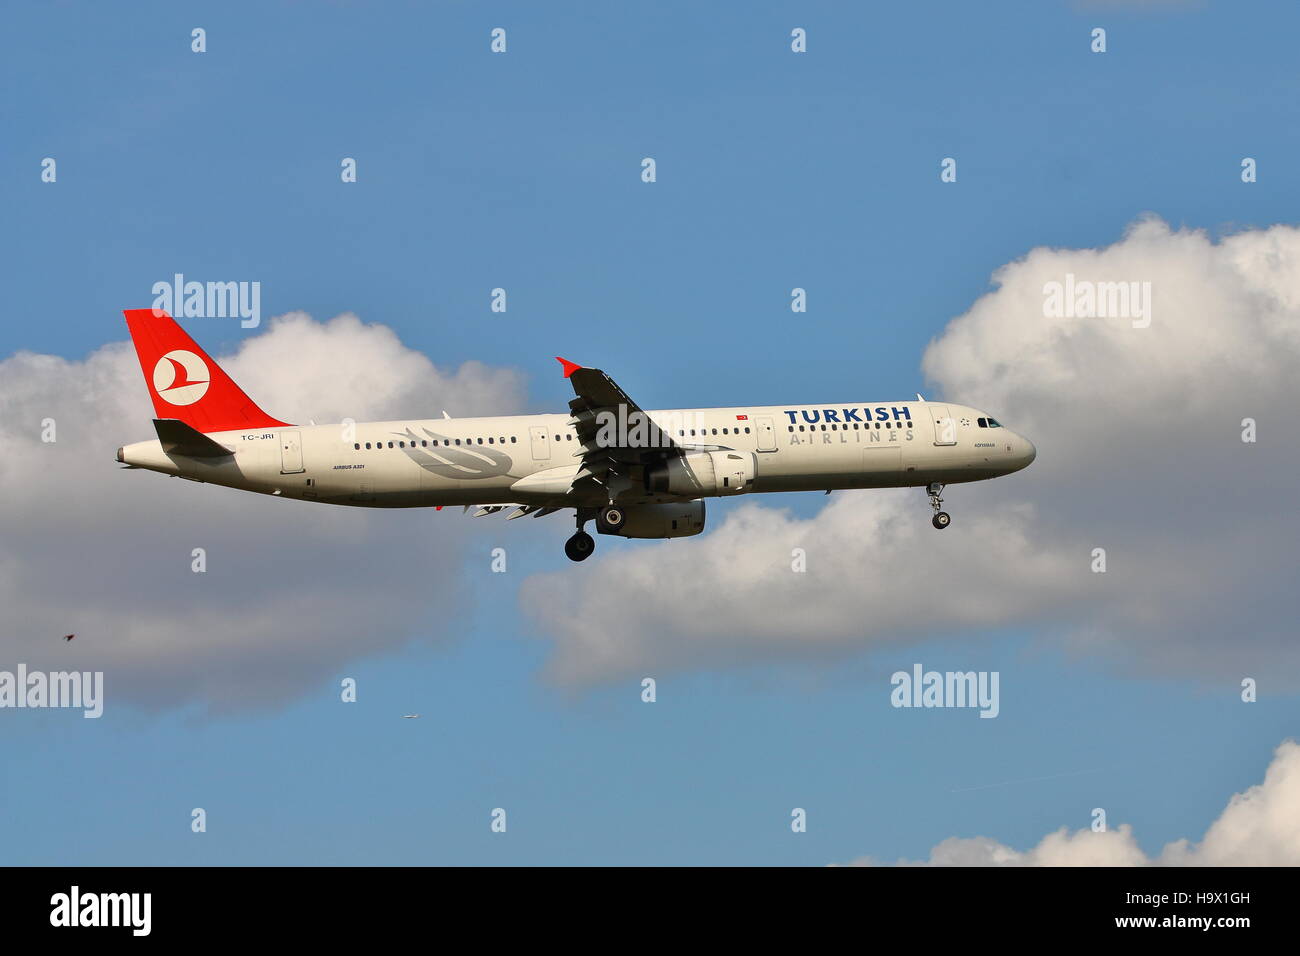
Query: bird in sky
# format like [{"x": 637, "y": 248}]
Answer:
[
  {"x": 409, "y": 716},
  {"x": 68, "y": 637}
]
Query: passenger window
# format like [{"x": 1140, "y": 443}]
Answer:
[
  {"x": 367, "y": 444},
  {"x": 357, "y": 446},
  {"x": 746, "y": 430}
]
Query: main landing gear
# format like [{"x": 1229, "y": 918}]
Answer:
[
  {"x": 609, "y": 520},
  {"x": 941, "y": 519},
  {"x": 581, "y": 546}
]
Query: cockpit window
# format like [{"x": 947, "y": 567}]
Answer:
[
  {"x": 993, "y": 423},
  {"x": 982, "y": 422}
]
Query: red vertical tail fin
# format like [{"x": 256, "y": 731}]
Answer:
[{"x": 184, "y": 382}]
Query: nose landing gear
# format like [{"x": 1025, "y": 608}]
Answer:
[{"x": 941, "y": 519}]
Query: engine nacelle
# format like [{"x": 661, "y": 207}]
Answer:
[
  {"x": 674, "y": 520},
  {"x": 704, "y": 473}
]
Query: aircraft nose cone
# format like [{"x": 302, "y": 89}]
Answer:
[{"x": 1030, "y": 452}]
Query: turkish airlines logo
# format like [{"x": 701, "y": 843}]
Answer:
[{"x": 180, "y": 378}]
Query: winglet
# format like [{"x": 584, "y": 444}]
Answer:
[{"x": 569, "y": 367}]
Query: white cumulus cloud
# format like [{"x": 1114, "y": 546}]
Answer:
[
  {"x": 1140, "y": 453},
  {"x": 1259, "y": 827},
  {"x": 292, "y": 590}
]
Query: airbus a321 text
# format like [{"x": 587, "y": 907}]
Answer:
[{"x": 638, "y": 474}]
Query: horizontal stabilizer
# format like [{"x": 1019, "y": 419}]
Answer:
[{"x": 180, "y": 439}]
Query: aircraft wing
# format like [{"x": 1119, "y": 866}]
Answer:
[{"x": 606, "y": 422}]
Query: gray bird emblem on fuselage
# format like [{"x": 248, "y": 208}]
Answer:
[{"x": 467, "y": 462}]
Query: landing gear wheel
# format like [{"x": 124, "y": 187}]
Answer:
[
  {"x": 612, "y": 519},
  {"x": 940, "y": 520},
  {"x": 580, "y": 546}
]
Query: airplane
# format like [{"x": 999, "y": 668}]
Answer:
[{"x": 636, "y": 473}]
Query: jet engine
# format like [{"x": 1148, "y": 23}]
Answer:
[
  {"x": 704, "y": 473},
  {"x": 673, "y": 520}
]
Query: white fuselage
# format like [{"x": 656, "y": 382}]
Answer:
[{"x": 531, "y": 459}]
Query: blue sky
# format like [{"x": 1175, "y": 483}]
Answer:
[{"x": 522, "y": 170}]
